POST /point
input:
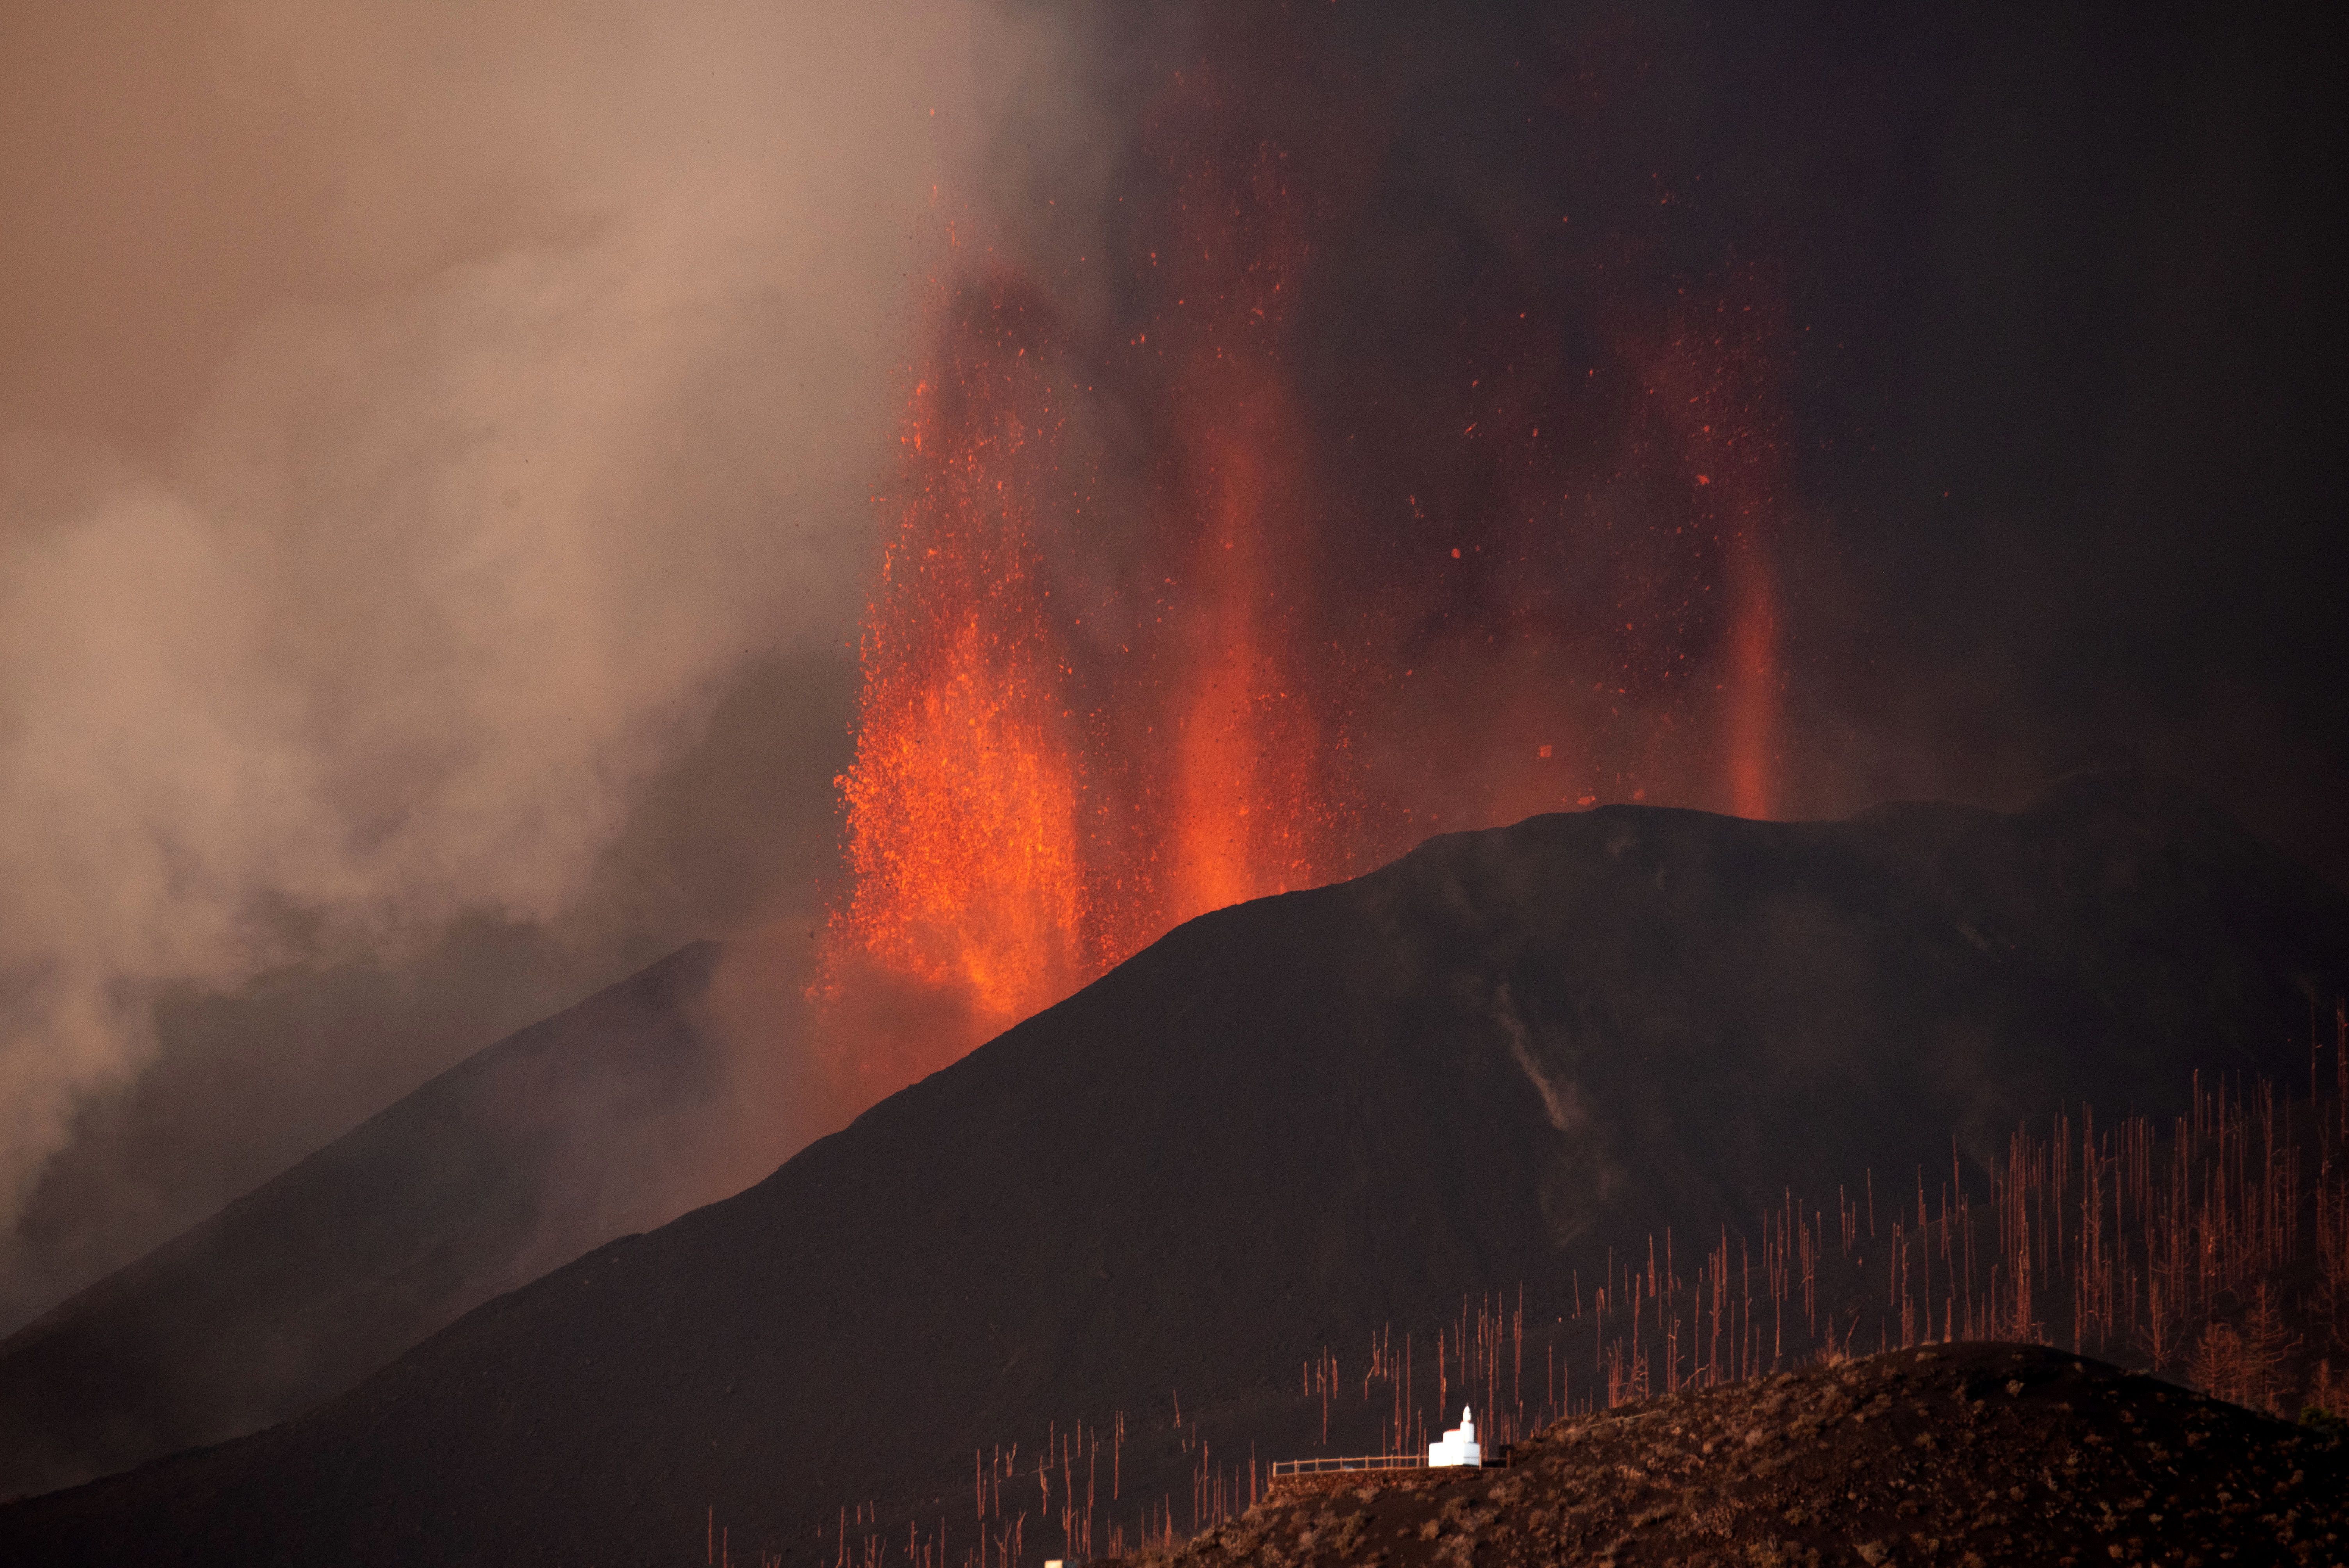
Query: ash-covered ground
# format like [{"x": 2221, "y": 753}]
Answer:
[{"x": 1966, "y": 1455}]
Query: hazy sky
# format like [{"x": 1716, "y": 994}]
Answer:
[{"x": 437, "y": 445}]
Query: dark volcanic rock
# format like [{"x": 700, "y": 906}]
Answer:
[
  {"x": 519, "y": 1158},
  {"x": 1284, "y": 1125},
  {"x": 1965, "y": 1455}
]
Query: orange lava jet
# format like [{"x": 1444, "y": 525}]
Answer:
[
  {"x": 1031, "y": 802},
  {"x": 1112, "y": 683},
  {"x": 1260, "y": 800},
  {"x": 965, "y": 801}
]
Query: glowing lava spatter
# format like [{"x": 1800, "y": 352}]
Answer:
[
  {"x": 965, "y": 799},
  {"x": 1017, "y": 823}
]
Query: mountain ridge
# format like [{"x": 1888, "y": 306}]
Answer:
[
  {"x": 1286, "y": 1122},
  {"x": 471, "y": 1184}
]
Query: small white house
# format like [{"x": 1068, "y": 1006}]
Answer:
[{"x": 1459, "y": 1446}]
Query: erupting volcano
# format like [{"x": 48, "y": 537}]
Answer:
[
  {"x": 1199, "y": 730},
  {"x": 1184, "y": 602}
]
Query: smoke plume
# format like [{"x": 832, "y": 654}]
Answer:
[{"x": 419, "y": 422}]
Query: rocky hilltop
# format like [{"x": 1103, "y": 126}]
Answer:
[{"x": 1969, "y": 1454}]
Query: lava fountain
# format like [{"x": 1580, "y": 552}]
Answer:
[
  {"x": 1107, "y": 686},
  {"x": 970, "y": 900}
]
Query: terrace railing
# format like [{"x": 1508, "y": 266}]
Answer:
[{"x": 1352, "y": 1462}]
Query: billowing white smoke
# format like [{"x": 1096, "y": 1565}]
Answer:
[{"x": 580, "y": 409}]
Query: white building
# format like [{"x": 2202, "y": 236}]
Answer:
[{"x": 1459, "y": 1446}]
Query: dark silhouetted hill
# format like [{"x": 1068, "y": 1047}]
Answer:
[
  {"x": 523, "y": 1156},
  {"x": 1281, "y": 1126}
]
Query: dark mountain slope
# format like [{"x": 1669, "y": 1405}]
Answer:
[
  {"x": 1285, "y": 1124},
  {"x": 519, "y": 1158}
]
